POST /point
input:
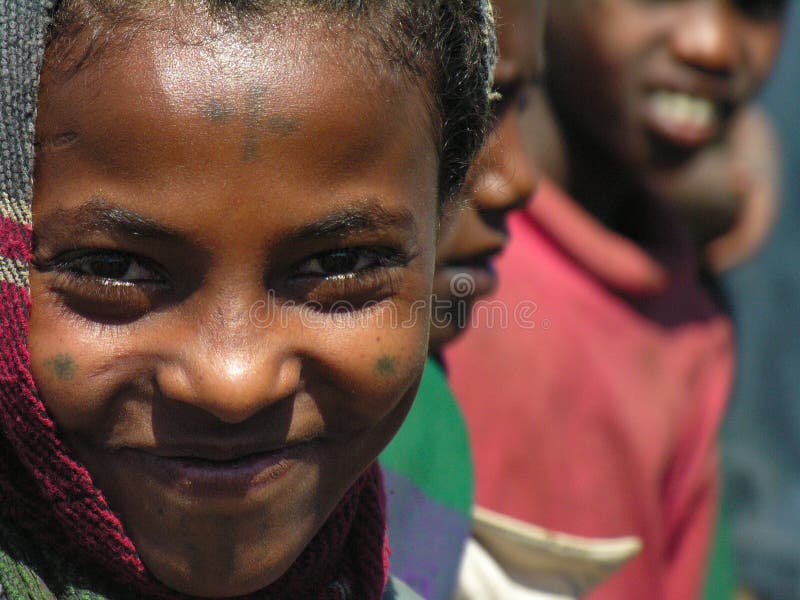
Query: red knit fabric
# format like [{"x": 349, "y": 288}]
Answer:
[{"x": 49, "y": 494}]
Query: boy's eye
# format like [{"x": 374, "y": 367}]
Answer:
[
  {"x": 762, "y": 9},
  {"x": 507, "y": 96},
  {"x": 516, "y": 94}
]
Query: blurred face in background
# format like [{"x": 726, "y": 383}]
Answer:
[
  {"x": 653, "y": 82},
  {"x": 501, "y": 179}
]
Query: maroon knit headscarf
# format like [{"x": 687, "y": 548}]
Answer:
[{"x": 43, "y": 490}]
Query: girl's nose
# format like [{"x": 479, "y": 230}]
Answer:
[
  {"x": 231, "y": 370},
  {"x": 706, "y": 38}
]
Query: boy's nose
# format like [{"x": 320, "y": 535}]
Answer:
[
  {"x": 232, "y": 373},
  {"x": 506, "y": 176},
  {"x": 706, "y": 37}
]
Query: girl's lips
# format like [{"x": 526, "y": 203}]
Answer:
[{"x": 216, "y": 478}]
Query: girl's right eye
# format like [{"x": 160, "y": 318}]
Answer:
[
  {"x": 116, "y": 267},
  {"x": 106, "y": 285}
]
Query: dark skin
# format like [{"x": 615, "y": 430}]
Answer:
[
  {"x": 729, "y": 194},
  {"x": 666, "y": 80},
  {"x": 167, "y": 224},
  {"x": 261, "y": 126},
  {"x": 502, "y": 178}
]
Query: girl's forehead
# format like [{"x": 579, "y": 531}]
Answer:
[
  {"x": 284, "y": 122},
  {"x": 301, "y": 63}
]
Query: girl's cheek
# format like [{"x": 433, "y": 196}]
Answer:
[
  {"x": 57, "y": 374},
  {"x": 376, "y": 362},
  {"x": 61, "y": 359}
]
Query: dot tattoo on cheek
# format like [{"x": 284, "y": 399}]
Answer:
[
  {"x": 62, "y": 366},
  {"x": 386, "y": 366}
]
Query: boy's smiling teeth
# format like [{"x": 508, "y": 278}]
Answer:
[
  {"x": 683, "y": 110},
  {"x": 688, "y": 118}
]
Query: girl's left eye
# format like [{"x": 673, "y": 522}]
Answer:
[{"x": 347, "y": 261}]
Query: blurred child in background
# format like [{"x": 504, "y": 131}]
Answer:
[
  {"x": 599, "y": 415},
  {"x": 428, "y": 466}
]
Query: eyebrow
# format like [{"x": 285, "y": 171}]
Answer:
[
  {"x": 98, "y": 215},
  {"x": 366, "y": 215}
]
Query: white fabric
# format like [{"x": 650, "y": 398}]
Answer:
[{"x": 482, "y": 578}]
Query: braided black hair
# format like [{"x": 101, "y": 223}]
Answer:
[{"x": 447, "y": 44}]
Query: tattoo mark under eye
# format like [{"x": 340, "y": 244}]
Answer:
[
  {"x": 386, "y": 365},
  {"x": 62, "y": 366},
  {"x": 216, "y": 112},
  {"x": 259, "y": 124}
]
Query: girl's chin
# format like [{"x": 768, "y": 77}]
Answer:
[{"x": 196, "y": 567}]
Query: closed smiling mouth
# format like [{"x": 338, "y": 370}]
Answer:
[{"x": 217, "y": 471}]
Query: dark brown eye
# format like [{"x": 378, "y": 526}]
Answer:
[
  {"x": 349, "y": 261},
  {"x": 112, "y": 266},
  {"x": 339, "y": 262},
  {"x": 508, "y": 95},
  {"x": 515, "y": 94},
  {"x": 762, "y": 9},
  {"x": 107, "y": 267},
  {"x": 351, "y": 276}
]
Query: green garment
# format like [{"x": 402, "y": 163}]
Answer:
[
  {"x": 721, "y": 576},
  {"x": 429, "y": 485},
  {"x": 432, "y": 447}
]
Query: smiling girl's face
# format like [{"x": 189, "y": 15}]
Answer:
[{"x": 234, "y": 242}]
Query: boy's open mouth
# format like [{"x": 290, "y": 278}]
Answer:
[
  {"x": 683, "y": 118},
  {"x": 689, "y": 110}
]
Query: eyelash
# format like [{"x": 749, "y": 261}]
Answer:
[
  {"x": 72, "y": 262},
  {"x": 373, "y": 276},
  {"x": 377, "y": 257},
  {"x": 104, "y": 298},
  {"x": 377, "y": 280}
]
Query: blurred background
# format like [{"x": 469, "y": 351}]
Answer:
[{"x": 762, "y": 433}]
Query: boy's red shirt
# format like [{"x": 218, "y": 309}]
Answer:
[{"x": 597, "y": 412}]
